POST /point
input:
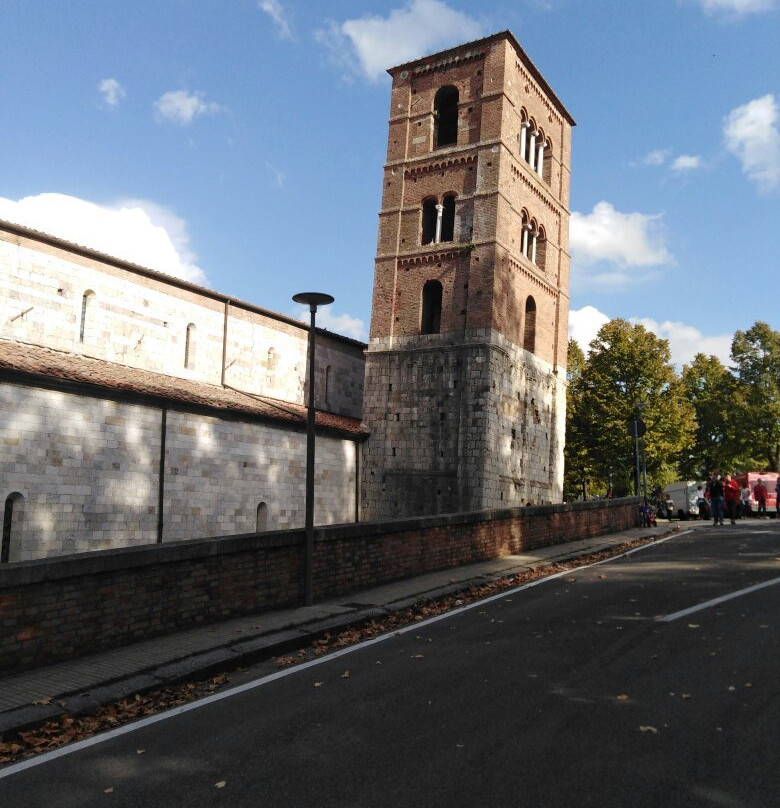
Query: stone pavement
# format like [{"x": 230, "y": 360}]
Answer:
[{"x": 81, "y": 684}]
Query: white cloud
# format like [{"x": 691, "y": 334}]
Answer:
[
  {"x": 752, "y": 134},
  {"x": 686, "y": 162},
  {"x": 657, "y": 157},
  {"x": 419, "y": 28},
  {"x": 275, "y": 10},
  {"x": 343, "y": 324},
  {"x": 736, "y": 7},
  {"x": 624, "y": 240},
  {"x": 138, "y": 231},
  {"x": 584, "y": 324},
  {"x": 112, "y": 91},
  {"x": 182, "y": 107},
  {"x": 685, "y": 341}
]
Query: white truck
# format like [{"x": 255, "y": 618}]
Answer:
[{"x": 685, "y": 495}]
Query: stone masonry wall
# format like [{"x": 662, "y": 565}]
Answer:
[
  {"x": 68, "y": 607},
  {"x": 457, "y": 425},
  {"x": 143, "y": 321},
  {"x": 86, "y": 472}
]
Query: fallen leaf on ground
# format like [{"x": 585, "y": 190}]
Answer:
[
  {"x": 220, "y": 784},
  {"x": 648, "y": 728},
  {"x": 345, "y": 675},
  {"x": 624, "y": 697}
]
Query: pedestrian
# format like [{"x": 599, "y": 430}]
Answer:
[
  {"x": 715, "y": 489},
  {"x": 701, "y": 501},
  {"x": 744, "y": 500},
  {"x": 759, "y": 492},
  {"x": 669, "y": 506},
  {"x": 731, "y": 496}
]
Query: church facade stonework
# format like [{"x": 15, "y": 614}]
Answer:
[{"x": 464, "y": 394}]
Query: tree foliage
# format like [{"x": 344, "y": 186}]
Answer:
[
  {"x": 756, "y": 357},
  {"x": 628, "y": 373},
  {"x": 708, "y": 418}
]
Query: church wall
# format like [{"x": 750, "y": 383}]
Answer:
[
  {"x": 87, "y": 470},
  {"x": 143, "y": 321}
]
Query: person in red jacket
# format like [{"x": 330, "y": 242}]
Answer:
[
  {"x": 759, "y": 492},
  {"x": 731, "y": 497}
]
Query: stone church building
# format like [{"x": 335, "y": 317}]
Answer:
[{"x": 139, "y": 408}]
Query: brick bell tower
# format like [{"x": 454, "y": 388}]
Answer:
[{"x": 466, "y": 364}]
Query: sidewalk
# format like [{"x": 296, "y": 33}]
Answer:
[{"x": 108, "y": 676}]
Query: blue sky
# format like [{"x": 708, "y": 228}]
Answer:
[{"x": 240, "y": 144}]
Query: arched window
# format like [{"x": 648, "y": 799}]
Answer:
[
  {"x": 545, "y": 171},
  {"x": 430, "y": 216},
  {"x": 262, "y": 518},
  {"x": 87, "y": 315},
  {"x": 448, "y": 218},
  {"x": 533, "y": 244},
  {"x": 541, "y": 248},
  {"x": 529, "y": 334},
  {"x": 431, "y": 308},
  {"x": 189, "y": 346},
  {"x": 13, "y": 522},
  {"x": 445, "y": 110},
  {"x": 270, "y": 368}
]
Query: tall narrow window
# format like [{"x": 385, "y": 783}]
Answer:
[
  {"x": 327, "y": 386},
  {"x": 87, "y": 314},
  {"x": 12, "y": 526},
  {"x": 429, "y": 219},
  {"x": 448, "y": 218},
  {"x": 262, "y": 518},
  {"x": 189, "y": 347},
  {"x": 445, "y": 109},
  {"x": 529, "y": 336},
  {"x": 270, "y": 368},
  {"x": 431, "y": 308}
]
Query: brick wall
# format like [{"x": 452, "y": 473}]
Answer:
[{"x": 67, "y": 607}]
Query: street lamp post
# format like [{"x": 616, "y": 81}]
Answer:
[{"x": 312, "y": 300}]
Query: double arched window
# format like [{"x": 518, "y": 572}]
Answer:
[
  {"x": 445, "y": 112},
  {"x": 534, "y": 146},
  {"x": 438, "y": 219},
  {"x": 533, "y": 243}
]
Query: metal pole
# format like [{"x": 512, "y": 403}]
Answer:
[
  {"x": 309, "y": 579},
  {"x": 636, "y": 457},
  {"x": 312, "y": 300}
]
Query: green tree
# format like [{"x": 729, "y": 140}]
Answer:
[
  {"x": 576, "y": 466},
  {"x": 629, "y": 372},
  {"x": 713, "y": 391},
  {"x": 756, "y": 357}
]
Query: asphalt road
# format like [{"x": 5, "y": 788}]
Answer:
[{"x": 595, "y": 688}]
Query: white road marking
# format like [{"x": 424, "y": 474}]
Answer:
[
  {"x": 234, "y": 691},
  {"x": 715, "y": 601}
]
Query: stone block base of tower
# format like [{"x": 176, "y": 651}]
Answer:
[{"x": 460, "y": 425}]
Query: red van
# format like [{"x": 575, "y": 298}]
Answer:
[{"x": 770, "y": 480}]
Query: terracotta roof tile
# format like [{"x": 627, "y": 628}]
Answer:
[{"x": 76, "y": 368}]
